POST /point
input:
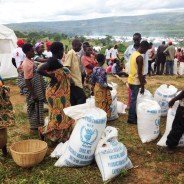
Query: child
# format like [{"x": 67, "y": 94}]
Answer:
[
  {"x": 102, "y": 93},
  {"x": 109, "y": 68},
  {"x": 178, "y": 124}
]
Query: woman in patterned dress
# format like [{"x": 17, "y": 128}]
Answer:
[
  {"x": 59, "y": 126},
  {"x": 102, "y": 93}
]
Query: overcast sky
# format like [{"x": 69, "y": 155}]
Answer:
[{"x": 17, "y": 11}]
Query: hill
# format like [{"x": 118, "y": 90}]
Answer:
[{"x": 167, "y": 24}]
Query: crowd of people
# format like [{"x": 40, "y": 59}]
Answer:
[{"x": 62, "y": 80}]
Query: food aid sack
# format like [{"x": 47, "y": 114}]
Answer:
[
  {"x": 181, "y": 68},
  {"x": 90, "y": 123},
  {"x": 170, "y": 118},
  {"x": 121, "y": 107},
  {"x": 111, "y": 155},
  {"x": 59, "y": 150},
  {"x": 113, "y": 107},
  {"x": 148, "y": 120},
  {"x": 175, "y": 67},
  {"x": 162, "y": 95},
  {"x": 142, "y": 97}
]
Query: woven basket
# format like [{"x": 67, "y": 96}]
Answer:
[{"x": 29, "y": 152}]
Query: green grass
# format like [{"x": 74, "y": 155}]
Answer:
[{"x": 151, "y": 165}]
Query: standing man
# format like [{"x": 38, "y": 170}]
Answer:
[
  {"x": 108, "y": 55},
  {"x": 136, "y": 79},
  {"x": 170, "y": 55},
  {"x": 18, "y": 57},
  {"x": 114, "y": 52},
  {"x": 151, "y": 56},
  {"x": 72, "y": 61},
  {"x": 131, "y": 48},
  {"x": 161, "y": 59}
]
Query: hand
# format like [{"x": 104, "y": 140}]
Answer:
[
  {"x": 53, "y": 80},
  {"x": 171, "y": 103},
  {"x": 142, "y": 91},
  {"x": 35, "y": 98}
]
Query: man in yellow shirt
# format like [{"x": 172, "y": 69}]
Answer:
[
  {"x": 136, "y": 79},
  {"x": 72, "y": 61}
]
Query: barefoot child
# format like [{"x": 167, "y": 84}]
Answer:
[{"x": 102, "y": 93}]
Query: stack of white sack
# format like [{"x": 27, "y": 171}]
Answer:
[
  {"x": 148, "y": 120},
  {"x": 90, "y": 123},
  {"x": 113, "y": 107},
  {"x": 121, "y": 107},
  {"x": 170, "y": 118},
  {"x": 59, "y": 150},
  {"x": 162, "y": 95},
  {"x": 175, "y": 68},
  {"x": 111, "y": 155},
  {"x": 181, "y": 68},
  {"x": 143, "y": 97}
]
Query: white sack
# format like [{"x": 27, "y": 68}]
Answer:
[
  {"x": 121, "y": 107},
  {"x": 162, "y": 95},
  {"x": 181, "y": 68},
  {"x": 90, "y": 123},
  {"x": 111, "y": 155},
  {"x": 142, "y": 97},
  {"x": 175, "y": 68},
  {"x": 59, "y": 150},
  {"x": 170, "y": 118},
  {"x": 148, "y": 120}
]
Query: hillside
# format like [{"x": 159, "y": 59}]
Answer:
[{"x": 167, "y": 24}]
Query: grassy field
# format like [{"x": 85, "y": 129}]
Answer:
[{"x": 150, "y": 165}]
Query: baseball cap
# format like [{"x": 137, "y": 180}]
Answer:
[
  {"x": 169, "y": 42},
  {"x": 48, "y": 44},
  {"x": 38, "y": 44},
  {"x": 20, "y": 42}
]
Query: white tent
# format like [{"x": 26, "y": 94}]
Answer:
[{"x": 8, "y": 41}]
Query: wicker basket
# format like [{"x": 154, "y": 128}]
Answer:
[{"x": 29, "y": 152}]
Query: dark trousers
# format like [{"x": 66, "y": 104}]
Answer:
[
  {"x": 150, "y": 70},
  {"x": 169, "y": 67},
  {"x": 160, "y": 67},
  {"x": 177, "y": 128},
  {"x": 77, "y": 95},
  {"x": 134, "y": 90}
]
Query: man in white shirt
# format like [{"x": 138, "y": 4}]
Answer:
[
  {"x": 131, "y": 48},
  {"x": 114, "y": 52},
  {"x": 18, "y": 57},
  {"x": 107, "y": 55}
]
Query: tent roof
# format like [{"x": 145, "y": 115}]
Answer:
[{"x": 6, "y": 33}]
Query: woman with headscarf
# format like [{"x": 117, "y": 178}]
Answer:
[
  {"x": 35, "y": 84},
  {"x": 59, "y": 126},
  {"x": 39, "y": 56}
]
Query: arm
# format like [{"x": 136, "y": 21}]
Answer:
[
  {"x": 141, "y": 77},
  {"x": 30, "y": 88},
  {"x": 14, "y": 63},
  {"x": 41, "y": 60},
  {"x": 178, "y": 97}
]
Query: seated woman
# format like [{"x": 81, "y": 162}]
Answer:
[
  {"x": 59, "y": 126},
  {"x": 102, "y": 93}
]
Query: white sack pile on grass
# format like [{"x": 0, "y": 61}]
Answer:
[
  {"x": 148, "y": 120},
  {"x": 162, "y": 95},
  {"x": 111, "y": 155},
  {"x": 170, "y": 118},
  {"x": 90, "y": 123}
]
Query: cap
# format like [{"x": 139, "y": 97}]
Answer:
[
  {"x": 20, "y": 42},
  {"x": 48, "y": 44},
  {"x": 38, "y": 44}
]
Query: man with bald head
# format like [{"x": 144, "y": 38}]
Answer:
[{"x": 72, "y": 61}]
